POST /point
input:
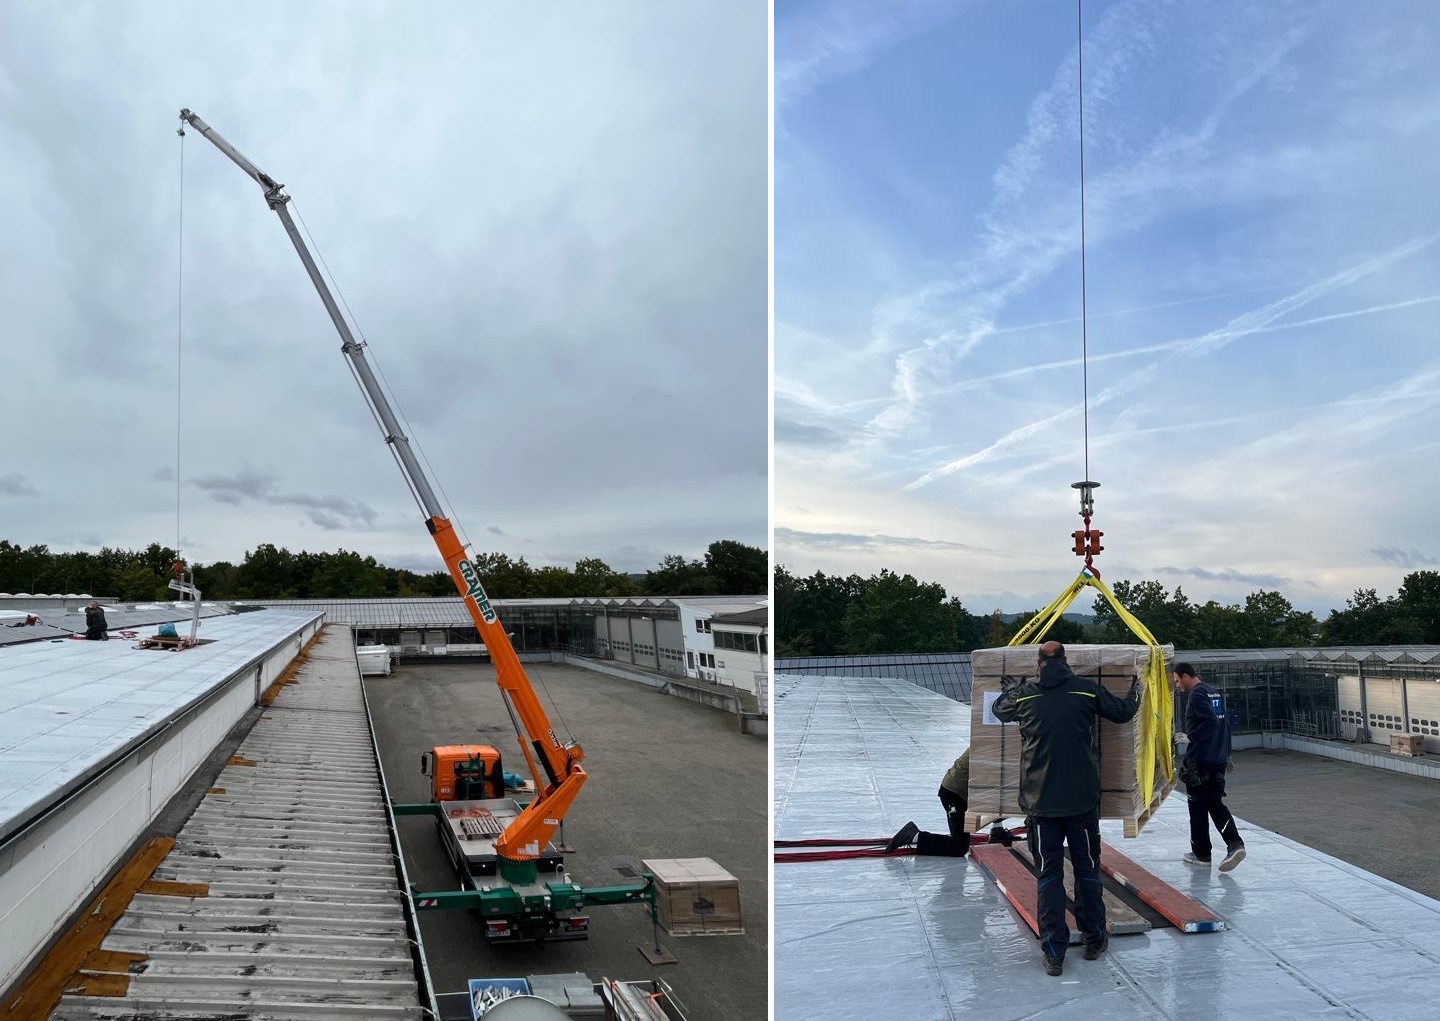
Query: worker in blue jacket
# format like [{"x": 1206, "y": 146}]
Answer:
[
  {"x": 1060, "y": 791},
  {"x": 1203, "y": 769}
]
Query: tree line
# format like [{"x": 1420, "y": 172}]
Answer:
[
  {"x": 831, "y": 615},
  {"x": 274, "y": 572}
]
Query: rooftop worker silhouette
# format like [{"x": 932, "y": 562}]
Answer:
[
  {"x": 96, "y": 627},
  {"x": 1060, "y": 791}
]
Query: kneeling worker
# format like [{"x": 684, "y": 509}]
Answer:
[
  {"x": 954, "y": 794},
  {"x": 1060, "y": 791}
]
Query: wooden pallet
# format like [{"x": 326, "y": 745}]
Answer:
[
  {"x": 977, "y": 821},
  {"x": 1134, "y": 824},
  {"x": 163, "y": 642},
  {"x": 1185, "y": 914}
]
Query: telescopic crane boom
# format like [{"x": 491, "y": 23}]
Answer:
[{"x": 526, "y": 837}]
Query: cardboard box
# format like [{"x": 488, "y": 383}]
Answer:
[
  {"x": 695, "y": 897},
  {"x": 995, "y": 747},
  {"x": 1407, "y": 744}
]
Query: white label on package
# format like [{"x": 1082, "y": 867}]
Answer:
[{"x": 988, "y": 714}]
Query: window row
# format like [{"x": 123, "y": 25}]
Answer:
[{"x": 740, "y": 642}]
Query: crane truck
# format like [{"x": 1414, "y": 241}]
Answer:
[{"x": 508, "y": 868}]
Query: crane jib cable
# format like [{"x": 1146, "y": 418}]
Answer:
[
  {"x": 1084, "y": 317},
  {"x": 179, "y": 334}
]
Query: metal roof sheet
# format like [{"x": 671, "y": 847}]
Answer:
[
  {"x": 118, "y": 617},
  {"x": 948, "y": 674},
  {"x": 1309, "y": 936},
  {"x": 450, "y": 611},
  {"x": 302, "y": 914},
  {"x": 67, "y": 707}
]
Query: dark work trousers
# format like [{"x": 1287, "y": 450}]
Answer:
[
  {"x": 957, "y": 843},
  {"x": 1082, "y": 834},
  {"x": 1206, "y": 802},
  {"x": 954, "y": 806}
]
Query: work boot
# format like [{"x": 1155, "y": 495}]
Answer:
[
  {"x": 1054, "y": 965},
  {"x": 907, "y": 833},
  {"x": 1189, "y": 858},
  {"x": 1235, "y": 856},
  {"x": 1094, "y": 950}
]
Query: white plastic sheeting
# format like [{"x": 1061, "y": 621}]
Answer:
[{"x": 932, "y": 938}]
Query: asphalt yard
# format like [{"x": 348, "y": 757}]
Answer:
[
  {"x": 668, "y": 779},
  {"x": 1384, "y": 822}
]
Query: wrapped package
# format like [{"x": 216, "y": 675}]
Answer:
[{"x": 995, "y": 746}]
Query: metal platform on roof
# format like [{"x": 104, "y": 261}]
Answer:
[
  {"x": 68, "y": 707},
  {"x": 299, "y": 912},
  {"x": 1308, "y": 936}
]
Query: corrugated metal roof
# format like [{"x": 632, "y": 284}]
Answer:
[
  {"x": 1309, "y": 936},
  {"x": 302, "y": 915},
  {"x": 451, "y": 612},
  {"x": 760, "y": 616},
  {"x": 947, "y": 674},
  {"x": 118, "y": 617},
  {"x": 66, "y": 708}
]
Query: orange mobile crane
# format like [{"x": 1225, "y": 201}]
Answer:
[{"x": 499, "y": 865}]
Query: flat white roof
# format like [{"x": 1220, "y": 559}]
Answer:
[
  {"x": 1308, "y": 936},
  {"x": 68, "y": 706}
]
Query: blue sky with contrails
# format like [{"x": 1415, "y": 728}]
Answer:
[{"x": 1263, "y": 293}]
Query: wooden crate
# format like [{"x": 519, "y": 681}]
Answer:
[
  {"x": 1407, "y": 744},
  {"x": 696, "y": 897}
]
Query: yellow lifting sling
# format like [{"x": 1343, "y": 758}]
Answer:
[{"x": 1157, "y": 713}]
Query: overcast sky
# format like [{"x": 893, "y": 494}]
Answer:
[
  {"x": 1264, "y": 293},
  {"x": 548, "y": 219}
]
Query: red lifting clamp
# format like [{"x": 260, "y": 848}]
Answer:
[{"x": 1087, "y": 539}]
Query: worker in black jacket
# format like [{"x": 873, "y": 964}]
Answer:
[
  {"x": 1060, "y": 791},
  {"x": 96, "y": 627},
  {"x": 1202, "y": 770}
]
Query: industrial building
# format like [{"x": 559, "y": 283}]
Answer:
[
  {"x": 205, "y": 832},
  {"x": 663, "y": 635},
  {"x": 1338, "y": 701},
  {"x": 1305, "y": 934}
]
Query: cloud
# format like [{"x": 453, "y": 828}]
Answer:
[
  {"x": 1229, "y": 574},
  {"x": 16, "y": 484},
  {"x": 1240, "y": 326},
  {"x": 165, "y": 474},
  {"x": 866, "y": 543},
  {"x": 1152, "y": 167},
  {"x": 1408, "y": 559},
  {"x": 808, "y": 434},
  {"x": 591, "y": 242},
  {"x": 329, "y": 512},
  {"x": 494, "y": 530},
  {"x": 844, "y": 37}
]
